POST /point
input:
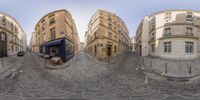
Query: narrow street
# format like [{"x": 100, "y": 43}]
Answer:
[{"x": 83, "y": 79}]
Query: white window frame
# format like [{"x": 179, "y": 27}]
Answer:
[
  {"x": 167, "y": 47},
  {"x": 189, "y": 47}
]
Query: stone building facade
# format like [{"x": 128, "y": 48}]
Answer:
[
  {"x": 133, "y": 44},
  {"x": 12, "y": 36},
  {"x": 107, "y": 35},
  {"x": 56, "y": 34},
  {"x": 171, "y": 34}
]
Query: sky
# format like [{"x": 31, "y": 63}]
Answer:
[{"x": 29, "y": 12}]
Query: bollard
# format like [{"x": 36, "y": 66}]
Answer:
[
  {"x": 146, "y": 79},
  {"x": 150, "y": 64},
  {"x": 45, "y": 61},
  {"x": 143, "y": 60},
  {"x": 2, "y": 62},
  {"x": 108, "y": 59},
  {"x": 190, "y": 70},
  {"x": 166, "y": 68}
]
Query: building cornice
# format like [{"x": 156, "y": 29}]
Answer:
[
  {"x": 13, "y": 20},
  {"x": 175, "y": 24},
  {"x": 173, "y": 10},
  {"x": 178, "y": 36}
]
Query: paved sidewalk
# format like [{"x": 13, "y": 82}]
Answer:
[
  {"x": 173, "y": 68},
  {"x": 8, "y": 64}
]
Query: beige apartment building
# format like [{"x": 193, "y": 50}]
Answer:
[
  {"x": 107, "y": 35},
  {"x": 171, "y": 34},
  {"x": 56, "y": 34},
  {"x": 32, "y": 43},
  {"x": 12, "y": 37},
  {"x": 133, "y": 44}
]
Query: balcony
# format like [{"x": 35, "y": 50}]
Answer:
[
  {"x": 166, "y": 34},
  {"x": 189, "y": 34}
]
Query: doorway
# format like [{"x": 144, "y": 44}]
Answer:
[
  {"x": 3, "y": 44},
  {"x": 95, "y": 50},
  {"x": 109, "y": 50},
  {"x": 140, "y": 51}
]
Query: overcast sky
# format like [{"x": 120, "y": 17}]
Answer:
[{"x": 29, "y": 12}]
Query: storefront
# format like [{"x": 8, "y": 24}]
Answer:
[{"x": 62, "y": 48}]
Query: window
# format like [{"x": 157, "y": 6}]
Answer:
[
  {"x": 115, "y": 28},
  {"x": 95, "y": 34},
  {"x": 115, "y": 49},
  {"x": 3, "y": 37},
  {"x": 12, "y": 48},
  {"x": 109, "y": 19},
  {"x": 189, "y": 47},
  {"x": 43, "y": 27},
  {"x": 12, "y": 27},
  {"x": 109, "y": 25},
  {"x": 43, "y": 20},
  {"x": 53, "y": 33},
  {"x": 51, "y": 21},
  {"x": 167, "y": 47},
  {"x": 167, "y": 32},
  {"x": 109, "y": 34},
  {"x": 189, "y": 31},
  {"x": 119, "y": 31},
  {"x": 152, "y": 36},
  {"x": 152, "y": 47},
  {"x": 16, "y": 30},
  {"x": 115, "y": 38}
]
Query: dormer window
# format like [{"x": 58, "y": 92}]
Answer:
[
  {"x": 189, "y": 18},
  {"x": 4, "y": 21},
  {"x": 168, "y": 16}
]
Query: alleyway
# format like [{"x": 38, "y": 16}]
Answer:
[{"x": 83, "y": 79}]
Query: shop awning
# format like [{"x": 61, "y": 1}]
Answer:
[{"x": 54, "y": 42}]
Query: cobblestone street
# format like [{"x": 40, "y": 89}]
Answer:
[{"x": 86, "y": 79}]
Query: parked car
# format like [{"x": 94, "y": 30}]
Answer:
[{"x": 21, "y": 53}]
